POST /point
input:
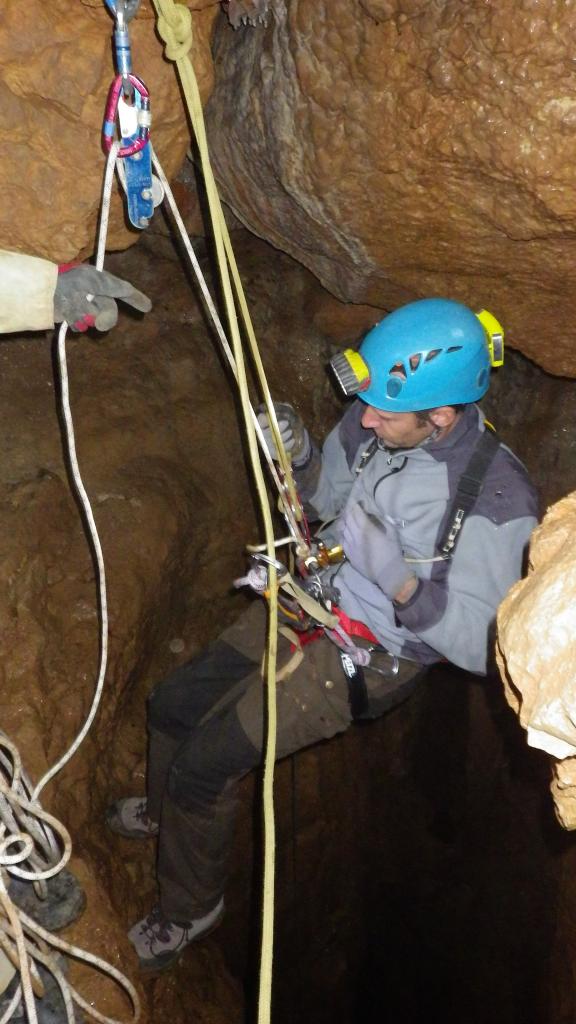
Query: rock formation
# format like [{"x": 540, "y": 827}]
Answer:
[
  {"x": 396, "y": 148},
  {"x": 402, "y": 148},
  {"x": 55, "y": 70},
  {"x": 537, "y": 652},
  {"x": 161, "y": 456}
]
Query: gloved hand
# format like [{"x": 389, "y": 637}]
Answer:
[
  {"x": 293, "y": 433},
  {"x": 373, "y": 548},
  {"x": 76, "y": 283}
]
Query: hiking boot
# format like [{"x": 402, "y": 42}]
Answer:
[
  {"x": 129, "y": 817},
  {"x": 159, "y": 943},
  {"x": 64, "y": 903}
]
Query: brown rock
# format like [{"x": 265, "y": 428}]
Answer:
[
  {"x": 564, "y": 791},
  {"x": 55, "y": 71},
  {"x": 162, "y": 460},
  {"x": 400, "y": 149},
  {"x": 537, "y": 648}
]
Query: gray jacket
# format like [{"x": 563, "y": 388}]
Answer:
[{"x": 452, "y": 613}]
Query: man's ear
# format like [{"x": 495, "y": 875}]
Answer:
[{"x": 444, "y": 416}]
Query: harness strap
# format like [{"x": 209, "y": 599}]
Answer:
[
  {"x": 353, "y": 627},
  {"x": 469, "y": 488}
]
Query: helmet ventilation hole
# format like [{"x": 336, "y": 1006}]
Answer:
[
  {"x": 394, "y": 387},
  {"x": 398, "y": 370}
]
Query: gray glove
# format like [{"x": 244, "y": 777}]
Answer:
[
  {"x": 373, "y": 548},
  {"x": 71, "y": 301},
  {"x": 293, "y": 433}
]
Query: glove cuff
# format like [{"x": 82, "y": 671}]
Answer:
[{"x": 303, "y": 458}]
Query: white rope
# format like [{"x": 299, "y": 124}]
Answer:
[
  {"x": 43, "y": 837},
  {"x": 81, "y": 490},
  {"x": 291, "y": 520},
  {"x": 28, "y": 834},
  {"x": 97, "y": 549},
  {"x": 31, "y": 941}
]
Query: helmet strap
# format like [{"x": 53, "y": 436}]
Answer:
[{"x": 431, "y": 437}]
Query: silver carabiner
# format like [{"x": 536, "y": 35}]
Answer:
[
  {"x": 259, "y": 557},
  {"x": 123, "y": 10}
]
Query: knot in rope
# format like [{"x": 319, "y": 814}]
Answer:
[{"x": 175, "y": 28}]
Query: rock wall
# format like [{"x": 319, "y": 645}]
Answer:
[
  {"x": 536, "y": 627},
  {"x": 396, "y": 148},
  {"x": 401, "y": 148},
  {"x": 55, "y": 70},
  {"x": 163, "y": 463},
  {"x": 435, "y": 796}
]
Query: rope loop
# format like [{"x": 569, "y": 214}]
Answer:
[{"x": 175, "y": 29}]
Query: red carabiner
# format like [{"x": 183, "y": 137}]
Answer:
[{"x": 142, "y": 99}]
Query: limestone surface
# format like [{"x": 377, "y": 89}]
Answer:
[
  {"x": 161, "y": 456},
  {"x": 55, "y": 70},
  {"x": 403, "y": 148},
  {"x": 537, "y": 650}
]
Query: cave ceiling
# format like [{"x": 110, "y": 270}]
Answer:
[{"x": 396, "y": 148}]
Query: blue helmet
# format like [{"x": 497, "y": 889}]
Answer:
[{"x": 428, "y": 353}]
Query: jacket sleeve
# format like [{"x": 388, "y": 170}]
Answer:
[
  {"x": 27, "y": 286},
  {"x": 454, "y": 613},
  {"x": 325, "y": 482}
]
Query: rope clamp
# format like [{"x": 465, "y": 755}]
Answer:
[{"x": 142, "y": 101}]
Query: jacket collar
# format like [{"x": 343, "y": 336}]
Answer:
[{"x": 471, "y": 422}]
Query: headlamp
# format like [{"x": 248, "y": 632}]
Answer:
[
  {"x": 351, "y": 372},
  {"x": 494, "y": 336}
]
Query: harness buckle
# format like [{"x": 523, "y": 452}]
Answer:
[{"x": 453, "y": 532}]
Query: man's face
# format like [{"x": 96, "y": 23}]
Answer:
[{"x": 397, "y": 429}]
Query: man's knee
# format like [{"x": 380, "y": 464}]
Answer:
[
  {"x": 207, "y": 683},
  {"x": 211, "y": 756}
]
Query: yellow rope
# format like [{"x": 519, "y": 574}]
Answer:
[{"x": 175, "y": 28}]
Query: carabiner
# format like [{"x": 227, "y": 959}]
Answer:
[{"x": 142, "y": 98}]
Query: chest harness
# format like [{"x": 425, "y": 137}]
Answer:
[{"x": 310, "y": 606}]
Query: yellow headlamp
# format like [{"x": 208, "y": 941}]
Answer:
[
  {"x": 494, "y": 336},
  {"x": 351, "y": 372}
]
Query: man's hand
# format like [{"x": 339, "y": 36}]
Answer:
[
  {"x": 85, "y": 297},
  {"x": 293, "y": 433},
  {"x": 373, "y": 548}
]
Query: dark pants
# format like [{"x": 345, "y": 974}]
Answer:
[{"x": 206, "y": 732}]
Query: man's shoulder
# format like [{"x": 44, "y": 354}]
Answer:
[
  {"x": 351, "y": 433},
  {"x": 508, "y": 492}
]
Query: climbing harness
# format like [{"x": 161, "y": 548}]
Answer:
[
  {"x": 359, "y": 647},
  {"x": 468, "y": 489}
]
